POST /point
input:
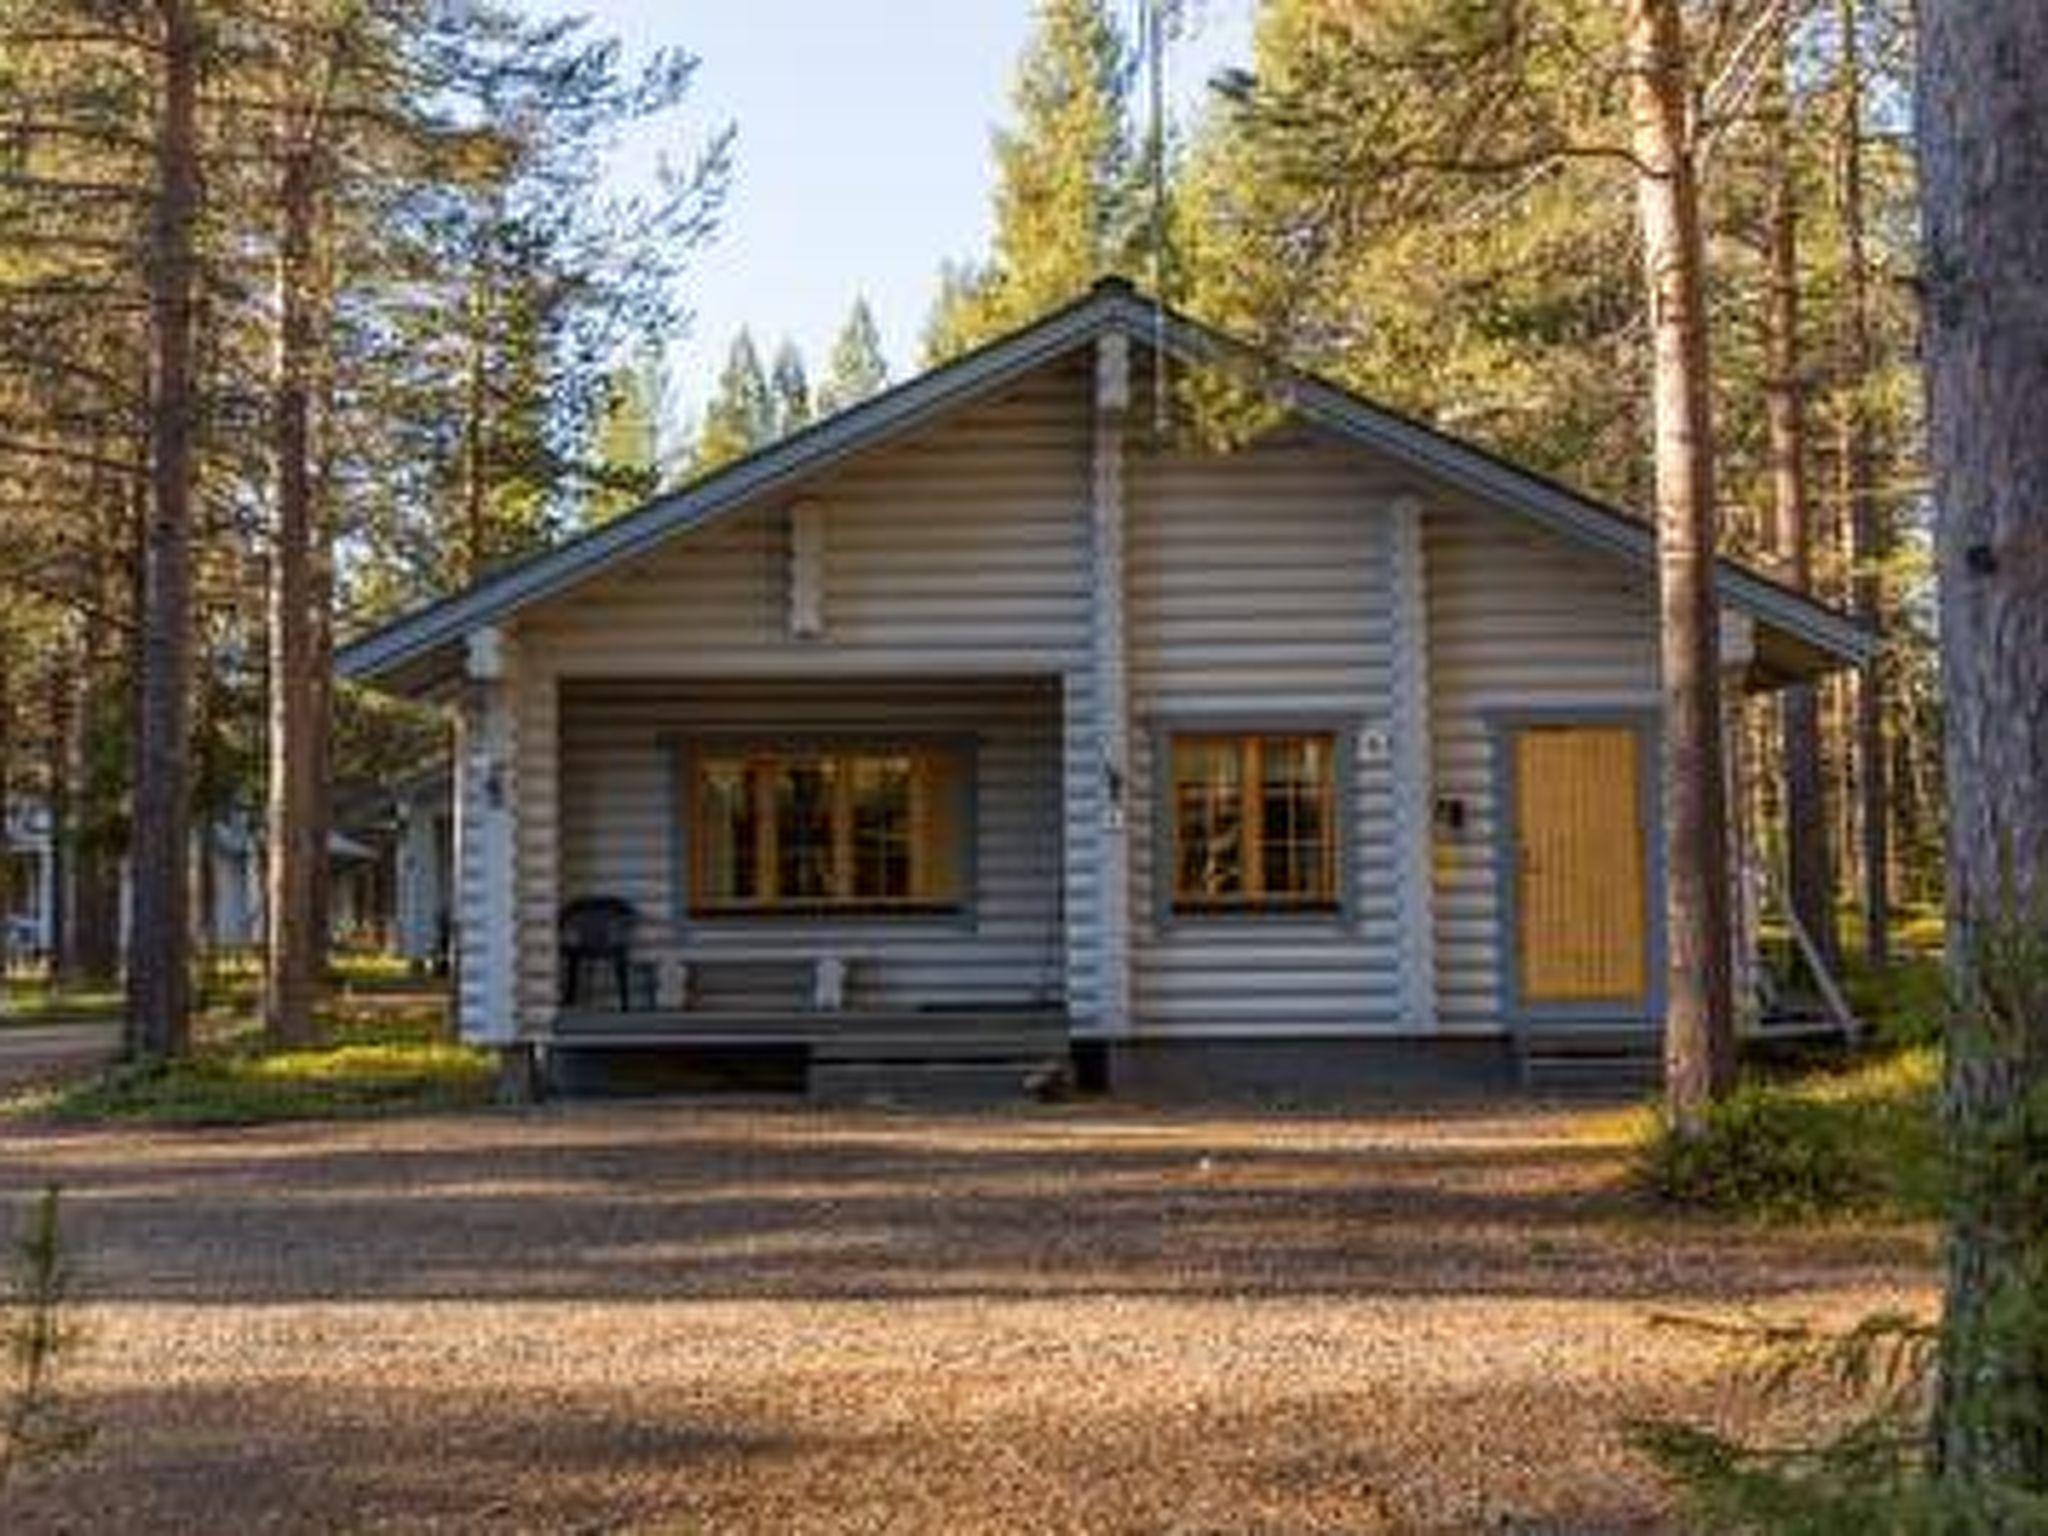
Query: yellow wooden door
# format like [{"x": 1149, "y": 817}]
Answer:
[{"x": 1580, "y": 857}]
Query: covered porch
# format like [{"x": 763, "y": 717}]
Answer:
[{"x": 859, "y": 874}]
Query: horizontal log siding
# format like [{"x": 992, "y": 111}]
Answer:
[
  {"x": 963, "y": 550},
  {"x": 1517, "y": 620},
  {"x": 1259, "y": 588},
  {"x": 620, "y": 809}
]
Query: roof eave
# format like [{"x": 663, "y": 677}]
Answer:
[
  {"x": 1496, "y": 481},
  {"x": 384, "y": 655}
]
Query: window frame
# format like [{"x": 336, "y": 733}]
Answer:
[
  {"x": 689, "y": 756},
  {"x": 1340, "y": 906}
]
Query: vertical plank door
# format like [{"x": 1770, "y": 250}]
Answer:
[{"x": 1580, "y": 902}]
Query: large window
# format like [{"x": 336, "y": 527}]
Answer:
[
  {"x": 1254, "y": 822},
  {"x": 828, "y": 829}
]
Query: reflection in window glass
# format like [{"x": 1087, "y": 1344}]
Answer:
[{"x": 1253, "y": 821}]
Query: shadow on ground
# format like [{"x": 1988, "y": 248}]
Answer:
[{"x": 1093, "y": 1318}]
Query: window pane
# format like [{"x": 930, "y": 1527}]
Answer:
[
  {"x": 1294, "y": 810},
  {"x": 881, "y": 827},
  {"x": 1208, "y": 810},
  {"x": 803, "y": 829},
  {"x": 729, "y": 832}
]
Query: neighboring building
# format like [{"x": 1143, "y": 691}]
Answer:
[
  {"x": 387, "y": 870},
  {"x": 1334, "y": 756},
  {"x": 27, "y": 876}
]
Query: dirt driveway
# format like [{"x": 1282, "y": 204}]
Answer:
[
  {"x": 31, "y": 1054},
  {"x": 685, "y": 1318}
]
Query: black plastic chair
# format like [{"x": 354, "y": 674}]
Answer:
[{"x": 596, "y": 930}]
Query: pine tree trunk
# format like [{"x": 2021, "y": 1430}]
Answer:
[
  {"x": 95, "y": 935},
  {"x": 158, "y": 984},
  {"x": 1984, "y": 154},
  {"x": 1869, "y": 545},
  {"x": 1812, "y": 881},
  {"x": 57, "y": 941},
  {"x": 291, "y": 972},
  {"x": 1699, "y": 1041}
]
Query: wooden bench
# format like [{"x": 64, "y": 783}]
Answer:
[{"x": 823, "y": 973}]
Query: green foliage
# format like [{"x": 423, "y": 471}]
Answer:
[
  {"x": 741, "y": 415},
  {"x": 856, "y": 368},
  {"x": 31, "y": 1001},
  {"x": 1863, "y": 1141},
  {"x": 38, "y": 1336},
  {"x": 1067, "y": 197},
  {"x": 1870, "y": 1472},
  {"x": 1982, "y": 1373},
  {"x": 1903, "y": 1004},
  {"x": 399, "y": 1067},
  {"x": 790, "y": 387},
  {"x": 627, "y": 467}
]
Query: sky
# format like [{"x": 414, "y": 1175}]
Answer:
[{"x": 863, "y": 155}]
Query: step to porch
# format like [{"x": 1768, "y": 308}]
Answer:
[
  {"x": 923, "y": 1057},
  {"x": 931, "y": 1083},
  {"x": 1591, "y": 1061}
]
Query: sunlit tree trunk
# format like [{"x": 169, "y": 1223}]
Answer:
[
  {"x": 1867, "y": 535},
  {"x": 158, "y": 984},
  {"x": 1699, "y": 1013},
  {"x": 290, "y": 894},
  {"x": 1983, "y": 136},
  {"x": 1806, "y": 814}
]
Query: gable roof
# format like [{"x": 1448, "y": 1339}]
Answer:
[{"x": 401, "y": 646}]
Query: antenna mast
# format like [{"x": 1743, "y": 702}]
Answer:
[{"x": 1155, "y": 48}]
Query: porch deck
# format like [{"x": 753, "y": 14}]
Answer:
[
  {"x": 875, "y": 1033},
  {"x": 856, "y": 1054}
]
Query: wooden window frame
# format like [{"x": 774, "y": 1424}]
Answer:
[
  {"x": 1253, "y": 899},
  {"x": 940, "y": 838}
]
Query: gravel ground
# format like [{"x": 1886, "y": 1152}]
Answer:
[
  {"x": 34, "y": 1054},
  {"x": 679, "y": 1317}
]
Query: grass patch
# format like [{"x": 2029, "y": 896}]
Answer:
[
  {"x": 387, "y": 1068},
  {"x": 31, "y": 1001},
  {"x": 1863, "y": 1141},
  {"x": 1905, "y": 1003}
]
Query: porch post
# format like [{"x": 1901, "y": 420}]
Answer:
[
  {"x": 1414, "y": 790},
  {"x": 1111, "y": 684},
  {"x": 1738, "y": 650},
  {"x": 485, "y": 830}
]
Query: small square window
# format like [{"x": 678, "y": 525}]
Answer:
[{"x": 1253, "y": 821}]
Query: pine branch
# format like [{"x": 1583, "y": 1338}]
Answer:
[{"x": 23, "y": 449}]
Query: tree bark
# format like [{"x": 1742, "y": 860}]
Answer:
[
  {"x": 290, "y": 898},
  {"x": 57, "y": 797},
  {"x": 1983, "y": 134},
  {"x": 158, "y": 982},
  {"x": 1811, "y": 876},
  {"x": 1699, "y": 1036},
  {"x": 93, "y": 951},
  {"x": 1869, "y": 544}
]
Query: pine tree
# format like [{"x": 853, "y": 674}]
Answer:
[
  {"x": 629, "y": 436},
  {"x": 791, "y": 388},
  {"x": 1066, "y": 197},
  {"x": 741, "y": 415},
  {"x": 1699, "y": 1024},
  {"x": 857, "y": 368},
  {"x": 1985, "y": 162}
]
